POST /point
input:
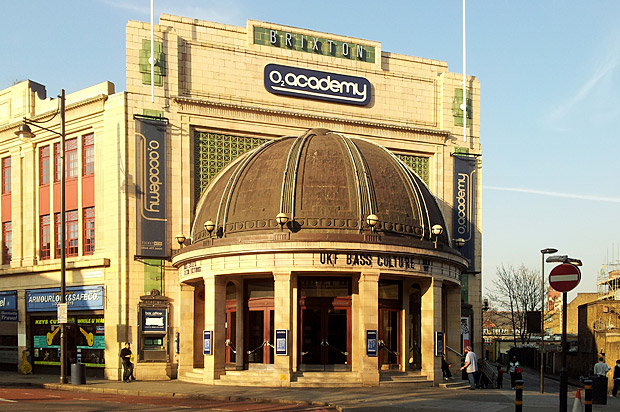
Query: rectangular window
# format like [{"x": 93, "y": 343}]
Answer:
[
  {"x": 6, "y": 175},
  {"x": 89, "y": 231},
  {"x": 88, "y": 159},
  {"x": 7, "y": 243},
  {"x": 71, "y": 235},
  {"x": 44, "y": 165},
  {"x": 71, "y": 160},
  {"x": 45, "y": 237}
]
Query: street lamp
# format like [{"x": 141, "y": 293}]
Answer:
[
  {"x": 25, "y": 134},
  {"x": 543, "y": 252}
]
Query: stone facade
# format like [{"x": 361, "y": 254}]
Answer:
[{"x": 209, "y": 79}]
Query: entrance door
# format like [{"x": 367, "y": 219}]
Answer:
[
  {"x": 259, "y": 339},
  {"x": 389, "y": 339},
  {"x": 325, "y": 339}
]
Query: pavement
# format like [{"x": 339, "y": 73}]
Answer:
[{"x": 394, "y": 398}]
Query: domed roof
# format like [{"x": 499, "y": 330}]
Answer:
[{"x": 327, "y": 184}]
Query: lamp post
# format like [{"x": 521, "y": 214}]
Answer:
[
  {"x": 543, "y": 252},
  {"x": 25, "y": 134}
]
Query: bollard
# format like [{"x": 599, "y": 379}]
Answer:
[
  {"x": 519, "y": 397},
  {"x": 588, "y": 395}
]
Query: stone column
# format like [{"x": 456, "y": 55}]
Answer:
[
  {"x": 283, "y": 306},
  {"x": 186, "y": 329},
  {"x": 431, "y": 322},
  {"x": 215, "y": 321},
  {"x": 406, "y": 326},
  {"x": 239, "y": 315},
  {"x": 368, "y": 320},
  {"x": 453, "y": 326}
]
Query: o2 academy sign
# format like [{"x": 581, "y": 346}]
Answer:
[{"x": 317, "y": 85}]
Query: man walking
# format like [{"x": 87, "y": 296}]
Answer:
[{"x": 470, "y": 366}]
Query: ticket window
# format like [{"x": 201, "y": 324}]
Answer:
[
  {"x": 154, "y": 348},
  {"x": 154, "y": 345}
]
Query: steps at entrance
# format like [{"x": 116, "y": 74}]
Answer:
[
  {"x": 325, "y": 379},
  {"x": 195, "y": 376},
  {"x": 247, "y": 378},
  {"x": 412, "y": 379},
  {"x": 454, "y": 384}
]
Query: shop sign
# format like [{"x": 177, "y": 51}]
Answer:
[
  {"x": 463, "y": 216},
  {"x": 9, "y": 316},
  {"x": 151, "y": 188},
  {"x": 8, "y": 300},
  {"x": 317, "y": 85},
  {"x": 153, "y": 320},
  {"x": 402, "y": 262},
  {"x": 77, "y": 298}
]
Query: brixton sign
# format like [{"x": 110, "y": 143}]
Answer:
[
  {"x": 313, "y": 84},
  {"x": 564, "y": 277}
]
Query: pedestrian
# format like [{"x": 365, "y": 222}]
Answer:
[
  {"x": 470, "y": 366},
  {"x": 500, "y": 376},
  {"x": 445, "y": 368},
  {"x": 601, "y": 368},
  {"x": 127, "y": 365},
  {"x": 616, "y": 377},
  {"x": 515, "y": 372}
]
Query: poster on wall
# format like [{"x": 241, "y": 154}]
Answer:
[
  {"x": 464, "y": 210},
  {"x": 151, "y": 188},
  {"x": 465, "y": 331}
]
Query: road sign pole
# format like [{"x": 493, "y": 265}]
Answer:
[{"x": 563, "y": 370}]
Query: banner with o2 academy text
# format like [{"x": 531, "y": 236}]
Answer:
[
  {"x": 464, "y": 210},
  {"x": 151, "y": 188}
]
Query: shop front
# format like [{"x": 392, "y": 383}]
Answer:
[
  {"x": 85, "y": 328},
  {"x": 9, "y": 318}
]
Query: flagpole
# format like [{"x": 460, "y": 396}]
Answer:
[
  {"x": 152, "y": 59},
  {"x": 464, "y": 105}
]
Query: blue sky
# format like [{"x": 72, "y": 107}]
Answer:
[{"x": 550, "y": 84}]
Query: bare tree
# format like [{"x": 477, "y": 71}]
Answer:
[{"x": 517, "y": 290}]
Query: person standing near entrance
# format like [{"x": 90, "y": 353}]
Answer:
[
  {"x": 127, "y": 365},
  {"x": 616, "y": 378},
  {"x": 601, "y": 368},
  {"x": 470, "y": 366}
]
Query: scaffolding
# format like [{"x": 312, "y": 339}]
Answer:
[{"x": 608, "y": 282}]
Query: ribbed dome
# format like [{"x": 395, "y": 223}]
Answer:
[{"x": 327, "y": 184}]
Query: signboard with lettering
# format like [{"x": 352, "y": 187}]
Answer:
[
  {"x": 154, "y": 320},
  {"x": 207, "y": 342},
  {"x": 371, "y": 343},
  {"x": 463, "y": 215},
  {"x": 317, "y": 85},
  {"x": 315, "y": 44},
  {"x": 8, "y": 306},
  {"x": 77, "y": 298},
  {"x": 151, "y": 188},
  {"x": 282, "y": 342}
]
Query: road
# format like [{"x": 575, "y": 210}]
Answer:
[{"x": 31, "y": 399}]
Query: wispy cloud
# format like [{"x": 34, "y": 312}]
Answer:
[
  {"x": 555, "y": 194},
  {"x": 609, "y": 64}
]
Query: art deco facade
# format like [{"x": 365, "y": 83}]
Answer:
[{"x": 246, "y": 124}]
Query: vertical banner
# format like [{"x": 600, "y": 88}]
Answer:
[
  {"x": 151, "y": 188},
  {"x": 463, "y": 215},
  {"x": 465, "y": 331}
]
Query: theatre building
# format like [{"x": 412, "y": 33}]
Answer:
[{"x": 272, "y": 205}]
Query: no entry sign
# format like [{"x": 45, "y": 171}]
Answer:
[{"x": 564, "y": 277}]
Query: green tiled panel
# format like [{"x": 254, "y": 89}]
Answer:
[
  {"x": 160, "y": 64},
  {"x": 457, "y": 112},
  {"x": 306, "y": 44},
  {"x": 213, "y": 152},
  {"x": 418, "y": 164}
]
